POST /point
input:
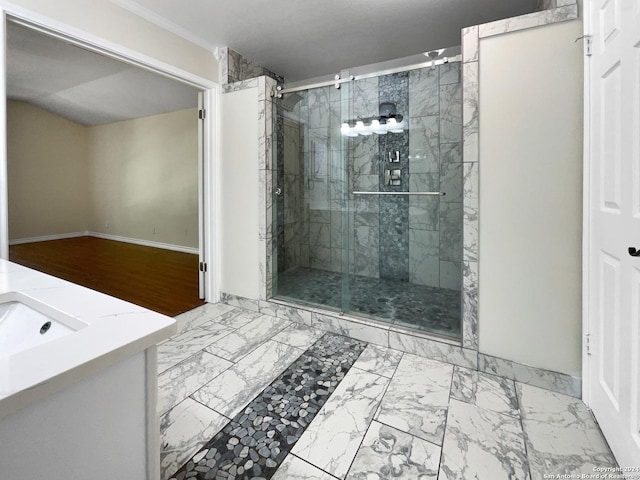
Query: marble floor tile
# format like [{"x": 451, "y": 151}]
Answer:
[
  {"x": 185, "y": 344},
  {"x": 299, "y": 335},
  {"x": 237, "y": 317},
  {"x": 295, "y": 469},
  {"x": 485, "y": 391},
  {"x": 202, "y": 314},
  {"x": 332, "y": 439},
  {"x": 184, "y": 429},
  {"x": 379, "y": 360},
  {"x": 562, "y": 436},
  {"x": 482, "y": 444},
  {"x": 417, "y": 398},
  {"x": 247, "y": 338},
  {"x": 230, "y": 391},
  {"x": 178, "y": 382},
  {"x": 387, "y": 453}
]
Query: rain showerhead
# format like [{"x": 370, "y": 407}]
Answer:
[{"x": 290, "y": 101}]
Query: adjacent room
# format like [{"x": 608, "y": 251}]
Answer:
[{"x": 103, "y": 172}]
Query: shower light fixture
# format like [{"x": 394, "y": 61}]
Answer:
[{"x": 380, "y": 125}]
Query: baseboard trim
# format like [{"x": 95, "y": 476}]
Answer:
[
  {"x": 106, "y": 236},
  {"x": 146, "y": 243},
  {"x": 45, "y": 238}
]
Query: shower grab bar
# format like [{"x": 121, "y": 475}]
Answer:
[{"x": 400, "y": 193}]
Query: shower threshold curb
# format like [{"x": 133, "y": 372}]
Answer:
[{"x": 410, "y": 341}]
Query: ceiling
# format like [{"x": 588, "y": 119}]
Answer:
[
  {"x": 295, "y": 39},
  {"x": 83, "y": 86},
  {"x": 303, "y": 39}
]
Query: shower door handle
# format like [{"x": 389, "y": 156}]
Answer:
[{"x": 441, "y": 194}]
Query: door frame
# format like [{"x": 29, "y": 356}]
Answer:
[
  {"x": 586, "y": 213},
  {"x": 211, "y": 95}
]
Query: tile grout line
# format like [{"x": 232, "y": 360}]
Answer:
[
  {"x": 315, "y": 466},
  {"x": 375, "y": 414},
  {"x": 524, "y": 434},
  {"x": 446, "y": 421}
]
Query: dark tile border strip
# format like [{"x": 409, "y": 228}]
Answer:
[{"x": 256, "y": 441}]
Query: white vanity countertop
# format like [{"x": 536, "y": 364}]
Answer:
[{"x": 115, "y": 330}]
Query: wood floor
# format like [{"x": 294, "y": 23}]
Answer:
[{"x": 161, "y": 280}]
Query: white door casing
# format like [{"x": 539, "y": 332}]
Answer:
[{"x": 612, "y": 223}]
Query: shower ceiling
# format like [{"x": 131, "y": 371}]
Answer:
[{"x": 304, "y": 39}]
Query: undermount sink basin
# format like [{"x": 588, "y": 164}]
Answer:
[{"x": 26, "y": 323}]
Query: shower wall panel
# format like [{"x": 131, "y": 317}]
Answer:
[
  {"x": 413, "y": 239},
  {"x": 435, "y": 136}
]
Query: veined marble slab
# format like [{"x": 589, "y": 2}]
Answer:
[
  {"x": 295, "y": 469},
  {"x": 299, "y": 335},
  {"x": 536, "y": 19},
  {"x": 351, "y": 328},
  {"x": 185, "y": 344},
  {"x": 230, "y": 391},
  {"x": 561, "y": 435},
  {"x": 200, "y": 315},
  {"x": 417, "y": 398},
  {"x": 390, "y": 453},
  {"x": 183, "y": 430},
  {"x": 482, "y": 444},
  {"x": 237, "y": 317},
  {"x": 428, "y": 348},
  {"x": 555, "y": 381},
  {"x": 238, "y": 301},
  {"x": 379, "y": 360},
  {"x": 287, "y": 312},
  {"x": 332, "y": 439},
  {"x": 178, "y": 382},
  {"x": 486, "y": 391},
  {"x": 247, "y": 338}
]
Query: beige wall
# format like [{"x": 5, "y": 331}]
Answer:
[
  {"x": 239, "y": 200},
  {"x": 106, "y": 20},
  {"x": 531, "y": 196},
  {"x": 47, "y": 172},
  {"x": 143, "y": 178},
  {"x": 136, "y": 178}
]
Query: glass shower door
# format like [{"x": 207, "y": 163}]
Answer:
[
  {"x": 405, "y": 166},
  {"x": 311, "y": 210},
  {"x": 369, "y": 216}
]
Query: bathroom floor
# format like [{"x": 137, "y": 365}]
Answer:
[
  {"x": 432, "y": 309},
  {"x": 244, "y": 395}
]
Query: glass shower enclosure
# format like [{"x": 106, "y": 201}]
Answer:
[{"x": 368, "y": 196}]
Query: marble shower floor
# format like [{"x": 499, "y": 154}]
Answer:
[
  {"x": 436, "y": 310},
  {"x": 245, "y": 395}
]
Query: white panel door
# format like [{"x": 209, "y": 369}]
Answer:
[{"x": 612, "y": 372}]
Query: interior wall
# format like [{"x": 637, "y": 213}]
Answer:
[
  {"x": 105, "y": 19},
  {"x": 239, "y": 194},
  {"x": 143, "y": 178},
  {"x": 47, "y": 173},
  {"x": 136, "y": 179},
  {"x": 531, "y": 85}
]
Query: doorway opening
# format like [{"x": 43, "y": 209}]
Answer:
[{"x": 107, "y": 167}]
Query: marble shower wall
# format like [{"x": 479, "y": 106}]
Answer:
[
  {"x": 403, "y": 238},
  {"x": 234, "y": 67},
  {"x": 435, "y": 164}
]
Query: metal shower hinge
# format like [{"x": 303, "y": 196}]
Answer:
[
  {"x": 588, "y": 343},
  {"x": 588, "y": 41}
]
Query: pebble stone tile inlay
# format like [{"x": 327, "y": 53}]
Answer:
[{"x": 256, "y": 441}]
